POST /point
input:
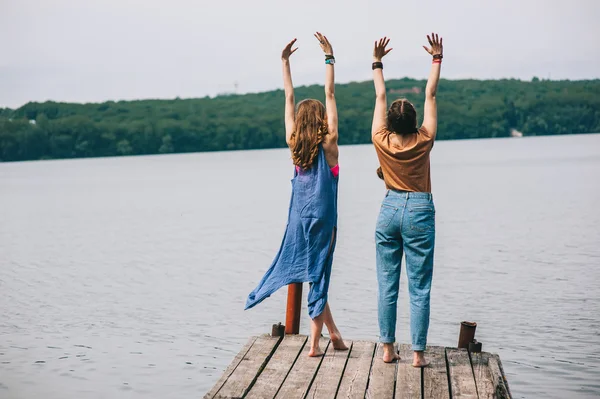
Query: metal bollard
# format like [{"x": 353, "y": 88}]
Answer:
[
  {"x": 475, "y": 346},
  {"x": 278, "y": 330}
]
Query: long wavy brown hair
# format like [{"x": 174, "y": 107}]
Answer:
[{"x": 309, "y": 131}]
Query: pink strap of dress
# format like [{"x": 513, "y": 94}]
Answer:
[{"x": 335, "y": 170}]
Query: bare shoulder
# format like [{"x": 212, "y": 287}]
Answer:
[
  {"x": 330, "y": 143},
  {"x": 331, "y": 151}
]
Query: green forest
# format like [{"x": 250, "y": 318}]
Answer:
[{"x": 466, "y": 109}]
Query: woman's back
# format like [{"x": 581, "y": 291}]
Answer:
[{"x": 404, "y": 159}]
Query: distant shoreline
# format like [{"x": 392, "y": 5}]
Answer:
[
  {"x": 468, "y": 109},
  {"x": 234, "y": 94}
]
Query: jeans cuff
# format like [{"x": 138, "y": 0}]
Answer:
[
  {"x": 419, "y": 348},
  {"x": 387, "y": 340}
]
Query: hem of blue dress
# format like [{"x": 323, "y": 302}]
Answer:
[
  {"x": 313, "y": 310},
  {"x": 317, "y": 309},
  {"x": 269, "y": 293}
]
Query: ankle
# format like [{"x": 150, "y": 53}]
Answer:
[{"x": 389, "y": 347}]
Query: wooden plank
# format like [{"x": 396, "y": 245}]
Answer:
[
  {"x": 461, "y": 375},
  {"x": 435, "y": 377},
  {"x": 330, "y": 373},
  {"x": 356, "y": 375},
  {"x": 501, "y": 389},
  {"x": 382, "y": 378},
  {"x": 301, "y": 376},
  {"x": 408, "y": 378},
  {"x": 249, "y": 368},
  {"x": 482, "y": 374},
  {"x": 230, "y": 369},
  {"x": 268, "y": 366},
  {"x": 275, "y": 372}
]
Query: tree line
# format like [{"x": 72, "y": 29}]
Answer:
[{"x": 466, "y": 109}]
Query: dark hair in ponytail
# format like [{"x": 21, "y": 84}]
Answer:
[{"x": 402, "y": 117}]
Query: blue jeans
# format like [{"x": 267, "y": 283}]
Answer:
[{"x": 406, "y": 224}]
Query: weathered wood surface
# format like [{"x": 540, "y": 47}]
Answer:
[
  {"x": 461, "y": 374},
  {"x": 330, "y": 373},
  {"x": 382, "y": 378},
  {"x": 502, "y": 390},
  {"x": 272, "y": 367},
  {"x": 249, "y": 367},
  {"x": 301, "y": 376},
  {"x": 482, "y": 374},
  {"x": 435, "y": 377},
  {"x": 230, "y": 369},
  {"x": 356, "y": 375},
  {"x": 408, "y": 378},
  {"x": 275, "y": 372}
]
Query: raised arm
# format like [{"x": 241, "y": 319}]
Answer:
[
  {"x": 379, "y": 116},
  {"x": 288, "y": 88},
  {"x": 330, "y": 104},
  {"x": 430, "y": 112}
]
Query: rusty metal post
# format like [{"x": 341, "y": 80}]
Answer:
[
  {"x": 467, "y": 334},
  {"x": 294, "y": 306}
]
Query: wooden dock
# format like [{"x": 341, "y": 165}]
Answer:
[{"x": 278, "y": 367}]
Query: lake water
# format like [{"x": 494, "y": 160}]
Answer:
[{"x": 127, "y": 277}]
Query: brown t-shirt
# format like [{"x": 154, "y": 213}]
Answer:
[{"x": 404, "y": 159}]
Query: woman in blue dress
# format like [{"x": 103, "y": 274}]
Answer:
[{"x": 306, "y": 253}]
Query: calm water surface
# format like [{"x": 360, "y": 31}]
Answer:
[{"x": 126, "y": 277}]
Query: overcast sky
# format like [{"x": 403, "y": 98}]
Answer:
[{"x": 98, "y": 50}]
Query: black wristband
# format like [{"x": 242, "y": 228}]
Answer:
[
  {"x": 377, "y": 65},
  {"x": 329, "y": 57},
  {"x": 438, "y": 56}
]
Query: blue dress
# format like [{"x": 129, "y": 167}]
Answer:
[{"x": 306, "y": 253}]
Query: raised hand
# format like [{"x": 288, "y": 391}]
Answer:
[
  {"x": 436, "y": 45},
  {"x": 380, "y": 51},
  {"x": 287, "y": 51},
  {"x": 324, "y": 42}
]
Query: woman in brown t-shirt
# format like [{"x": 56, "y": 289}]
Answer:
[{"x": 406, "y": 223}]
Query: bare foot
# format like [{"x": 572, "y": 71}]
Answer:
[
  {"x": 315, "y": 352},
  {"x": 337, "y": 341},
  {"x": 419, "y": 360},
  {"x": 389, "y": 353}
]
